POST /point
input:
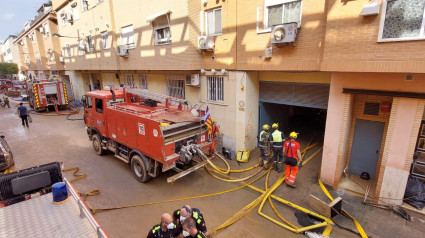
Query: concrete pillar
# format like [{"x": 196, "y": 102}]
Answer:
[{"x": 91, "y": 81}]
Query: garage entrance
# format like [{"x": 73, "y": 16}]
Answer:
[{"x": 296, "y": 107}]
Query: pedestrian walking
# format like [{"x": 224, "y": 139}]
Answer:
[
  {"x": 292, "y": 157},
  {"x": 5, "y": 101},
  {"x": 277, "y": 138},
  {"x": 263, "y": 144},
  {"x": 22, "y": 112}
]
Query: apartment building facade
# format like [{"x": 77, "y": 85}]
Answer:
[
  {"x": 39, "y": 50},
  {"x": 9, "y": 51},
  {"x": 352, "y": 66}
]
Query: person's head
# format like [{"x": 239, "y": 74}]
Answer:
[
  {"x": 21, "y": 104},
  {"x": 167, "y": 221},
  {"x": 185, "y": 212},
  {"x": 275, "y": 126},
  {"x": 293, "y": 135},
  {"x": 266, "y": 127},
  {"x": 189, "y": 227}
]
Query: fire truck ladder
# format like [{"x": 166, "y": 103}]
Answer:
[{"x": 156, "y": 96}]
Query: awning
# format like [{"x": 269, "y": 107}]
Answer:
[{"x": 153, "y": 17}]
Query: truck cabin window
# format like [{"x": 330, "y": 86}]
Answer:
[
  {"x": 99, "y": 105},
  {"x": 89, "y": 102}
]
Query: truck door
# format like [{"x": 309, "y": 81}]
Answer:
[
  {"x": 88, "y": 111},
  {"x": 98, "y": 116}
]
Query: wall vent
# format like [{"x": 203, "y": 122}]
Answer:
[{"x": 371, "y": 108}]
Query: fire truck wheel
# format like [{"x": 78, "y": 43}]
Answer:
[
  {"x": 139, "y": 168},
  {"x": 97, "y": 145}
]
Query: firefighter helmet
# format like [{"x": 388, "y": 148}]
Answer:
[
  {"x": 266, "y": 127},
  {"x": 293, "y": 135},
  {"x": 275, "y": 125}
]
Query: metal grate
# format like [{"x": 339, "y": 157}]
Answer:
[
  {"x": 215, "y": 88},
  {"x": 371, "y": 108}
]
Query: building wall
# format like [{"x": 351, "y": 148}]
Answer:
[
  {"x": 251, "y": 43},
  {"x": 351, "y": 43},
  {"x": 339, "y": 107}
]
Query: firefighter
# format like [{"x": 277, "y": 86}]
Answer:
[
  {"x": 277, "y": 139},
  {"x": 292, "y": 157},
  {"x": 6, "y": 100},
  {"x": 186, "y": 212},
  {"x": 166, "y": 229},
  {"x": 263, "y": 143},
  {"x": 190, "y": 229},
  {"x": 214, "y": 134}
]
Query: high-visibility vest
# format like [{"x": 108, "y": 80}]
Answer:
[
  {"x": 264, "y": 137},
  {"x": 277, "y": 139}
]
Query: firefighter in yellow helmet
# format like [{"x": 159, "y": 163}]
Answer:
[
  {"x": 263, "y": 144},
  {"x": 292, "y": 153},
  {"x": 277, "y": 138}
]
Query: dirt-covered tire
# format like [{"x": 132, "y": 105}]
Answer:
[
  {"x": 97, "y": 145},
  {"x": 139, "y": 167}
]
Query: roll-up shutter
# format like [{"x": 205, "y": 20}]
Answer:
[{"x": 295, "y": 94}]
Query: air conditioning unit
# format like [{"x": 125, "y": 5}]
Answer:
[
  {"x": 61, "y": 59},
  {"x": 68, "y": 17},
  {"x": 122, "y": 50},
  {"x": 285, "y": 33},
  {"x": 41, "y": 29},
  {"x": 192, "y": 80},
  {"x": 206, "y": 43}
]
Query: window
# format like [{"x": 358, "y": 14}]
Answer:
[
  {"x": 282, "y": 11},
  {"x": 63, "y": 18},
  {"x": 99, "y": 105},
  {"x": 215, "y": 87},
  {"x": 89, "y": 102},
  {"x": 46, "y": 30},
  {"x": 161, "y": 26},
  {"x": 90, "y": 44},
  {"x": 175, "y": 86},
  {"x": 68, "y": 50},
  {"x": 129, "y": 80},
  {"x": 84, "y": 5},
  {"x": 75, "y": 13},
  {"x": 402, "y": 20},
  {"x": 105, "y": 43},
  {"x": 143, "y": 83},
  {"x": 127, "y": 36},
  {"x": 213, "y": 22}
]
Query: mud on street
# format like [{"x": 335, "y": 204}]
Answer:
[{"x": 53, "y": 138}]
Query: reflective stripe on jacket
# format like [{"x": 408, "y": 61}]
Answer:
[{"x": 278, "y": 139}]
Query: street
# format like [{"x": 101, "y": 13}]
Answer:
[{"x": 53, "y": 138}]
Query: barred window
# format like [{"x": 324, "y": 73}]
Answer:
[
  {"x": 215, "y": 87},
  {"x": 175, "y": 88},
  {"x": 129, "y": 80},
  {"x": 143, "y": 83}
]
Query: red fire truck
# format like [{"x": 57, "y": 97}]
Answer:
[
  {"x": 45, "y": 93},
  {"x": 149, "y": 131}
]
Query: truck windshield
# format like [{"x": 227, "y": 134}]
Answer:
[{"x": 99, "y": 105}]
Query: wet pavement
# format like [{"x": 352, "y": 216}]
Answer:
[{"x": 53, "y": 138}]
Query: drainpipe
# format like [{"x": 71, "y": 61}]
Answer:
[{"x": 91, "y": 81}]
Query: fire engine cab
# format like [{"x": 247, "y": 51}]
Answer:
[{"x": 151, "y": 132}]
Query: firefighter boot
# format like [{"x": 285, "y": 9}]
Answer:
[
  {"x": 279, "y": 167},
  {"x": 275, "y": 165}
]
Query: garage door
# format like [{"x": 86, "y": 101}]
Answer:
[{"x": 295, "y": 94}]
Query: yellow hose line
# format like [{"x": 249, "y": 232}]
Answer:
[
  {"x": 274, "y": 208},
  {"x": 178, "y": 199},
  {"x": 309, "y": 143},
  {"x": 244, "y": 211},
  {"x": 312, "y": 156},
  {"x": 240, "y": 170},
  {"x": 214, "y": 166},
  {"x": 358, "y": 226},
  {"x": 78, "y": 176},
  {"x": 296, "y": 230},
  {"x": 232, "y": 180}
]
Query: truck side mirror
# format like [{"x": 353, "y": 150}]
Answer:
[{"x": 83, "y": 99}]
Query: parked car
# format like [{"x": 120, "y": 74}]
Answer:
[{"x": 6, "y": 156}]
